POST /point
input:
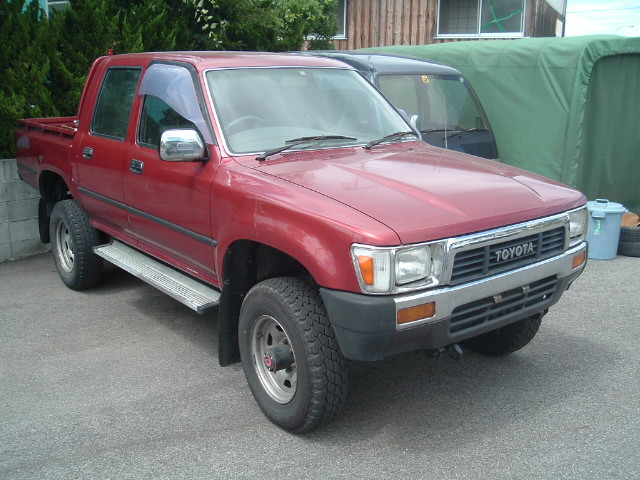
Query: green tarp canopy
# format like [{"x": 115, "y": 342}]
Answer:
[{"x": 567, "y": 108}]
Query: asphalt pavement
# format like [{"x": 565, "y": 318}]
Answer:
[{"x": 122, "y": 382}]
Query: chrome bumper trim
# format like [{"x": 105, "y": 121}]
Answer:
[{"x": 448, "y": 298}]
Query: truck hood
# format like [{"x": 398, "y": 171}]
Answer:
[{"x": 421, "y": 192}]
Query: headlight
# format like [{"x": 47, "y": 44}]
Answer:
[
  {"x": 412, "y": 264},
  {"x": 398, "y": 269},
  {"x": 577, "y": 225}
]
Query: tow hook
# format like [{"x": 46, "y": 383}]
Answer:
[
  {"x": 453, "y": 351},
  {"x": 279, "y": 357}
]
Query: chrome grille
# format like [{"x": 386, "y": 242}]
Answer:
[
  {"x": 489, "y": 260},
  {"x": 493, "y": 308}
]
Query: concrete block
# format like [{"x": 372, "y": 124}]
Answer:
[
  {"x": 23, "y": 209},
  {"x": 8, "y": 170},
  {"x": 24, "y": 230},
  {"x": 5, "y": 252},
  {"x": 25, "y": 248},
  {"x": 18, "y": 190},
  {"x": 4, "y": 211},
  {"x": 3, "y": 192},
  {"x": 4, "y": 234}
]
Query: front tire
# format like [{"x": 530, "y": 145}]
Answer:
[
  {"x": 508, "y": 339},
  {"x": 290, "y": 355},
  {"x": 72, "y": 242}
]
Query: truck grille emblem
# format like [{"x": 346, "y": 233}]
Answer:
[{"x": 514, "y": 252}]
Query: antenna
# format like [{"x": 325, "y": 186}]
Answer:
[{"x": 446, "y": 139}]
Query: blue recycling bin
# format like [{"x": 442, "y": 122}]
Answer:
[{"x": 604, "y": 228}]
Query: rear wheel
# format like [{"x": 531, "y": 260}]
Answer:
[
  {"x": 290, "y": 356},
  {"x": 508, "y": 339},
  {"x": 72, "y": 242}
]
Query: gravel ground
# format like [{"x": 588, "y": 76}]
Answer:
[{"x": 122, "y": 382}]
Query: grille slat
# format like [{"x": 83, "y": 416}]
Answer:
[
  {"x": 469, "y": 260},
  {"x": 507, "y": 255},
  {"x": 488, "y": 309}
]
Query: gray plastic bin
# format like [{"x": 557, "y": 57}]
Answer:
[{"x": 604, "y": 228}]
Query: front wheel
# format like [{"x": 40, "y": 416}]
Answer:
[
  {"x": 506, "y": 339},
  {"x": 290, "y": 355},
  {"x": 72, "y": 242}
]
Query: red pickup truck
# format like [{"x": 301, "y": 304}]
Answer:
[{"x": 288, "y": 195}]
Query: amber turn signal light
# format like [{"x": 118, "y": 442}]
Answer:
[
  {"x": 366, "y": 269},
  {"x": 579, "y": 260},
  {"x": 411, "y": 314}
]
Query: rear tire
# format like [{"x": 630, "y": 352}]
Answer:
[
  {"x": 508, "y": 339},
  {"x": 72, "y": 242},
  {"x": 630, "y": 234},
  {"x": 629, "y": 249},
  {"x": 629, "y": 245},
  {"x": 287, "y": 315}
]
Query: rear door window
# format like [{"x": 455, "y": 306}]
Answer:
[{"x": 113, "y": 108}]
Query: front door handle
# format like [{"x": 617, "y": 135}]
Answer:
[
  {"x": 136, "y": 166},
  {"x": 87, "y": 152}
]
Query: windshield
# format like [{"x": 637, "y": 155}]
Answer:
[
  {"x": 262, "y": 108},
  {"x": 440, "y": 101}
]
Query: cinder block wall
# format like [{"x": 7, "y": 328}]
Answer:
[{"x": 19, "y": 235}]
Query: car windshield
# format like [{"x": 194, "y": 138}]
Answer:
[
  {"x": 260, "y": 109},
  {"x": 440, "y": 101}
]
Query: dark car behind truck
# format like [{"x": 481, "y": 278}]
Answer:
[{"x": 438, "y": 99}]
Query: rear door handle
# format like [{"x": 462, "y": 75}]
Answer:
[
  {"x": 87, "y": 152},
  {"x": 136, "y": 166}
]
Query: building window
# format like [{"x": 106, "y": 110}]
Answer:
[
  {"x": 481, "y": 18},
  {"x": 341, "y": 14},
  {"x": 54, "y": 6}
]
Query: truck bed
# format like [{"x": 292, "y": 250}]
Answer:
[
  {"x": 61, "y": 125},
  {"x": 44, "y": 140}
]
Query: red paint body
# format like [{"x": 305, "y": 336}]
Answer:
[{"x": 311, "y": 205}]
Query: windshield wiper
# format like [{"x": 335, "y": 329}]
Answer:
[
  {"x": 298, "y": 141},
  {"x": 432, "y": 130},
  {"x": 391, "y": 136},
  {"x": 457, "y": 132}
]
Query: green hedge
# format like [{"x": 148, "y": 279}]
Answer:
[
  {"x": 45, "y": 61},
  {"x": 25, "y": 60}
]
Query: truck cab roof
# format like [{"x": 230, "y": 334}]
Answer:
[{"x": 203, "y": 60}]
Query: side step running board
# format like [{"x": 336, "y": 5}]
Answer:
[{"x": 192, "y": 293}]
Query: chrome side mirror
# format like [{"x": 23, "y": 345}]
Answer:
[{"x": 181, "y": 145}]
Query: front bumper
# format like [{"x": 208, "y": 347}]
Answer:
[{"x": 366, "y": 326}]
